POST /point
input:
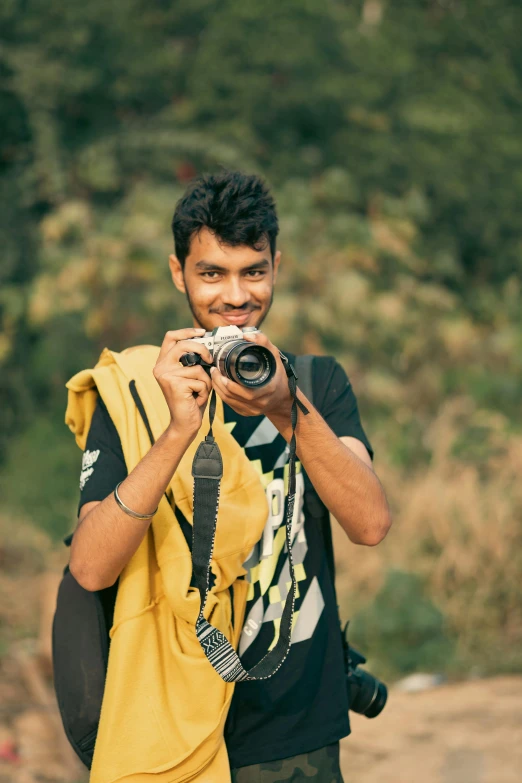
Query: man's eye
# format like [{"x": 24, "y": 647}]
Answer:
[
  {"x": 256, "y": 272},
  {"x": 210, "y": 275}
]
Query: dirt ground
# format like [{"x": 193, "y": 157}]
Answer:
[{"x": 462, "y": 733}]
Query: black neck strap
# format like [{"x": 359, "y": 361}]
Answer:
[{"x": 207, "y": 469}]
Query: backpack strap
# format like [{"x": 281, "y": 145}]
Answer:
[
  {"x": 303, "y": 368},
  {"x": 316, "y": 507}
]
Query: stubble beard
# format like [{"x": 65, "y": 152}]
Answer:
[{"x": 208, "y": 327}]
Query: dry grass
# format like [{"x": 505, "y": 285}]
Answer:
[{"x": 459, "y": 525}]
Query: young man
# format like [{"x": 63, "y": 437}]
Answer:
[{"x": 287, "y": 727}]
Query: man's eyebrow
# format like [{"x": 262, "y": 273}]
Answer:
[{"x": 209, "y": 266}]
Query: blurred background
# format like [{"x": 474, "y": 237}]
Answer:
[{"x": 390, "y": 134}]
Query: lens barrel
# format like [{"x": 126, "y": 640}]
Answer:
[
  {"x": 246, "y": 363},
  {"x": 367, "y": 694}
]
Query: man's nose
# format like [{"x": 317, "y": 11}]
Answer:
[{"x": 235, "y": 294}]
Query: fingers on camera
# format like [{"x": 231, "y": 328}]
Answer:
[
  {"x": 174, "y": 336},
  {"x": 188, "y": 346},
  {"x": 178, "y": 373}
]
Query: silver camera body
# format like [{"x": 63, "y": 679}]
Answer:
[{"x": 236, "y": 358}]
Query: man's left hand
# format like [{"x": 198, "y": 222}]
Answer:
[{"x": 273, "y": 398}]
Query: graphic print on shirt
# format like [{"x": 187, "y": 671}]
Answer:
[
  {"x": 268, "y": 569},
  {"x": 88, "y": 460}
]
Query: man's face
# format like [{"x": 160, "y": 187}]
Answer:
[{"x": 226, "y": 285}]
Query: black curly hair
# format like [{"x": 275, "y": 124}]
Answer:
[{"x": 237, "y": 208}]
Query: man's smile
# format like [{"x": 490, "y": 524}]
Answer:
[{"x": 237, "y": 317}]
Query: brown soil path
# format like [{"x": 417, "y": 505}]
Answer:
[{"x": 461, "y": 733}]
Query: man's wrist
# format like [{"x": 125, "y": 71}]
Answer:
[
  {"x": 176, "y": 437},
  {"x": 281, "y": 418}
]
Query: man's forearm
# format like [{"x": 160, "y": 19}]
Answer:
[
  {"x": 349, "y": 489},
  {"x": 107, "y": 537}
]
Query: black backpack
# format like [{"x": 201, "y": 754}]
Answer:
[
  {"x": 83, "y": 619},
  {"x": 80, "y": 647}
]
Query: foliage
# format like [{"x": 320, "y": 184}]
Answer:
[
  {"x": 402, "y": 628},
  {"x": 390, "y": 134},
  {"x": 39, "y": 476}
]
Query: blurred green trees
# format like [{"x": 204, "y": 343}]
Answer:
[
  {"x": 402, "y": 629},
  {"x": 390, "y": 133}
]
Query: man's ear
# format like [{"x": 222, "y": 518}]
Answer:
[
  {"x": 277, "y": 261},
  {"x": 176, "y": 271}
]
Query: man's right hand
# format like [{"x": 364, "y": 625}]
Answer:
[{"x": 185, "y": 389}]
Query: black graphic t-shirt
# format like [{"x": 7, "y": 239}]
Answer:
[{"x": 304, "y": 706}]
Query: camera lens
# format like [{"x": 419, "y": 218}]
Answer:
[
  {"x": 379, "y": 702},
  {"x": 242, "y": 362},
  {"x": 249, "y": 366},
  {"x": 368, "y": 695}
]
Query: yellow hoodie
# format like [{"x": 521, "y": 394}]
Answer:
[{"x": 164, "y": 706}]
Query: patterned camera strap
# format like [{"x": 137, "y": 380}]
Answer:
[{"x": 207, "y": 469}]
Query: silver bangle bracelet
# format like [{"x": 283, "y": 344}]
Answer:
[{"x": 127, "y": 510}]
